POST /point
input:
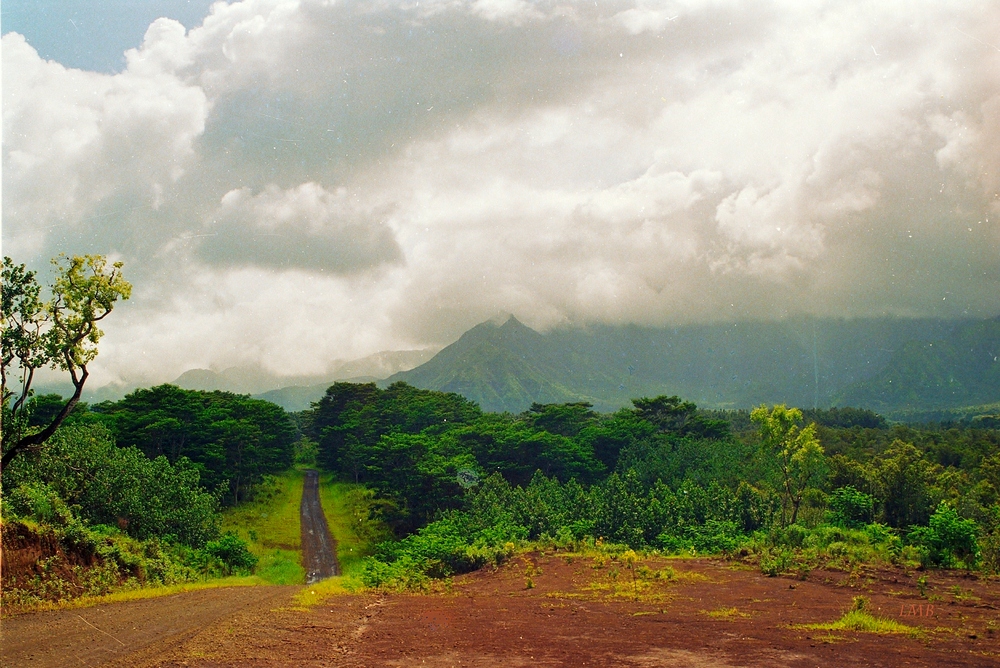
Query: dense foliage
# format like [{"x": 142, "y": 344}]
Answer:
[
  {"x": 843, "y": 485},
  {"x": 129, "y": 493},
  {"x": 233, "y": 440},
  {"x": 82, "y": 469}
]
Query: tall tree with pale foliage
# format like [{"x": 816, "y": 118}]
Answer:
[
  {"x": 800, "y": 457},
  {"x": 57, "y": 330}
]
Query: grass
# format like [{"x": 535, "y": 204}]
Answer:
[
  {"x": 138, "y": 594},
  {"x": 318, "y": 592},
  {"x": 270, "y": 524},
  {"x": 725, "y": 613},
  {"x": 348, "y": 512},
  {"x": 859, "y": 619},
  {"x": 864, "y": 622}
]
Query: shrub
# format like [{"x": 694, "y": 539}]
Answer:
[
  {"x": 851, "y": 508},
  {"x": 948, "y": 540},
  {"x": 450, "y": 545},
  {"x": 712, "y": 537},
  {"x": 233, "y": 552},
  {"x": 81, "y": 466}
]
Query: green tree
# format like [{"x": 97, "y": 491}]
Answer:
[
  {"x": 673, "y": 415},
  {"x": 59, "y": 332},
  {"x": 902, "y": 475},
  {"x": 800, "y": 457},
  {"x": 234, "y": 440},
  {"x": 110, "y": 485}
]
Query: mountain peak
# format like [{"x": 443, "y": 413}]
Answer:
[{"x": 514, "y": 323}]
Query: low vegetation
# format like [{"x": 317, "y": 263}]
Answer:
[
  {"x": 269, "y": 525},
  {"x": 859, "y": 619}
]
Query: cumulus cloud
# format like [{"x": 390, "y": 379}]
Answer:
[
  {"x": 77, "y": 144},
  {"x": 307, "y": 227},
  {"x": 297, "y": 181}
]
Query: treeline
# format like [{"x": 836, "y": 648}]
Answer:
[
  {"x": 232, "y": 441},
  {"x": 662, "y": 474},
  {"x": 159, "y": 463},
  {"x": 136, "y": 486},
  {"x": 458, "y": 484}
]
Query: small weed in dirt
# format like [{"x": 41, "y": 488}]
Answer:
[
  {"x": 725, "y": 613},
  {"x": 963, "y": 594}
]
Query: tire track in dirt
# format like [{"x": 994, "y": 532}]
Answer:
[
  {"x": 319, "y": 549},
  {"x": 117, "y": 632}
]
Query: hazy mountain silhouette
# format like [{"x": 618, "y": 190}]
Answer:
[
  {"x": 961, "y": 369},
  {"x": 802, "y": 362},
  {"x": 505, "y": 367}
]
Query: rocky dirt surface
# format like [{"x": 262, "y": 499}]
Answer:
[
  {"x": 581, "y": 611},
  {"x": 319, "y": 549}
]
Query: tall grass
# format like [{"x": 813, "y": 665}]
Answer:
[
  {"x": 353, "y": 515},
  {"x": 270, "y": 524}
]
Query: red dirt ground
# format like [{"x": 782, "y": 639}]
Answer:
[{"x": 579, "y": 615}]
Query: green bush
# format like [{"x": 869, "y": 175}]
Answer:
[
  {"x": 450, "y": 545},
  {"x": 233, "y": 552},
  {"x": 713, "y": 537},
  {"x": 948, "y": 540},
  {"x": 851, "y": 508},
  {"x": 82, "y": 468}
]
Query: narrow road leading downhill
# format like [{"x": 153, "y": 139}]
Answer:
[{"x": 319, "y": 549}]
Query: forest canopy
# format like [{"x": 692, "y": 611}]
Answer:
[{"x": 232, "y": 440}]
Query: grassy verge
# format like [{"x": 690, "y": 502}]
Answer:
[
  {"x": 348, "y": 511},
  {"x": 270, "y": 524},
  {"x": 125, "y": 595}
]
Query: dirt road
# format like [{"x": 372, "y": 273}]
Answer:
[
  {"x": 107, "y": 633},
  {"x": 319, "y": 549}
]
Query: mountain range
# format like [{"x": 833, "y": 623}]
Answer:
[
  {"x": 293, "y": 393},
  {"x": 888, "y": 364},
  {"x": 297, "y": 392},
  {"x": 910, "y": 368}
]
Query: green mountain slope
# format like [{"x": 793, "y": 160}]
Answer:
[
  {"x": 503, "y": 368},
  {"x": 962, "y": 369},
  {"x": 803, "y": 362}
]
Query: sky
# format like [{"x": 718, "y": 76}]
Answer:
[{"x": 294, "y": 182}]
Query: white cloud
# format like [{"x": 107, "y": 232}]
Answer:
[
  {"x": 304, "y": 227},
  {"x": 78, "y": 142},
  {"x": 298, "y": 181}
]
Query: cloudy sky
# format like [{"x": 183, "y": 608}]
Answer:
[{"x": 291, "y": 182}]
